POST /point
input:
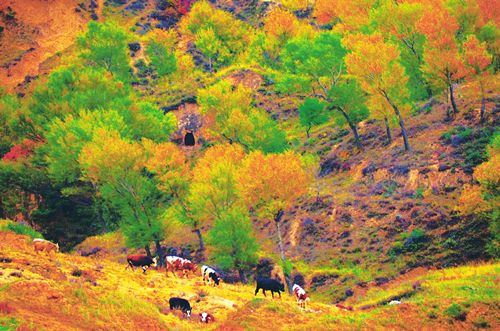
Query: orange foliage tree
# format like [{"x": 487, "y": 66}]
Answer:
[
  {"x": 444, "y": 65},
  {"x": 478, "y": 59},
  {"x": 376, "y": 63},
  {"x": 270, "y": 184},
  {"x": 351, "y": 14}
]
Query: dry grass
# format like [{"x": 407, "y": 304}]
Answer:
[{"x": 45, "y": 292}]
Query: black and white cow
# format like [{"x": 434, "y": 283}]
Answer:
[
  {"x": 267, "y": 284},
  {"x": 181, "y": 304},
  {"x": 209, "y": 274},
  {"x": 140, "y": 261}
]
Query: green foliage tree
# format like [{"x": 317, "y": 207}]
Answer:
[
  {"x": 316, "y": 68},
  {"x": 312, "y": 112},
  {"x": 236, "y": 120},
  {"x": 233, "y": 243},
  {"x": 105, "y": 46}
]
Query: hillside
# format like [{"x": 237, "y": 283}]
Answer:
[
  {"x": 97, "y": 99},
  {"x": 62, "y": 291}
]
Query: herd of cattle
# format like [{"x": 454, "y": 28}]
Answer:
[
  {"x": 175, "y": 263},
  {"x": 210, "y": 276}
]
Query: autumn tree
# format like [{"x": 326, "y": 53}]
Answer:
[
  {"x": 270, "y": 184},
  {"x": 315, "y": 68},
  {"x": 397, "y": 21},
  {"x": 220, "y": 37},
  {"x": 160, "y": 48},
  {"x": 478, "y": 59},
  {"x": 279, "y": 27},
  {"x": 105, "y": 46},
  {"x": 350, "y": 15},
  {"x": 212, "y": 190},
  {"x": 444, "y": 65},
  {"x": 376, "y": 63},
  {"x": 236, "y": 120},
  {"x": 119, "y": 166},
  {"x": 489, "y": 28},
  {"x": 483, "y": 200}
]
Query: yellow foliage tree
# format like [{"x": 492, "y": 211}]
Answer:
[
  {"x": 270, "y": 184},
  {"x": 376, "y": 63}
]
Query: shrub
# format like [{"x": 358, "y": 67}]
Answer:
[
  {"x": 23, "y": 229},
  {"x": 456, "y": 312}
]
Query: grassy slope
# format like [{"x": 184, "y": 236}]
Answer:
[{"x": 45, "y": 293}]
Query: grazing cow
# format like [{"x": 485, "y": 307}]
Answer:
[
  {"x": 344, "y": 307},
  {"x": 300, "y": 295},
  {"x": 43, "y": 245},
  {"x": 182, "y": 304},
  {"x": 206, "y": 317},
  {"x": 175, "y": 263},
  {"x": 209, "y": 274},
  {"x": 270, "y": 285},
  {"x": 140, "y": 261}
]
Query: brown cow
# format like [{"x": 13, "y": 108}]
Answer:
[
  {"x": 175, "y": 263},
  {"x": 44, "y": 246}
]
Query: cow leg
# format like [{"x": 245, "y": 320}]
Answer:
[
  {"x": 144, "y": 268},
  {"x": 272, "y": 293},
  {"x": 264, "y": 291},
  {"x": 256, "y": 291}
]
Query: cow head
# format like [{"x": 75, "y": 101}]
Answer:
[
  {"x": 188, "y": 313},
  {"x": 217, "y": 279},
  {"x": 155, "y": 259},
  {"x": 282, "y": 287},
  {"x": 206, "y": 317}
]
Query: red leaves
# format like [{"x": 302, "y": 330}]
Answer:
[{"x": 21, "y": 151}]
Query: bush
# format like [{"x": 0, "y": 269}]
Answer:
[
  {"x": 456, "y": 312},
  {"x": 23, "y": 229}
]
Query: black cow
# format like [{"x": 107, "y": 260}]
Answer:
[
  {"x": 140, "y": 261},
  {"x": 269, "y": 285},
  {"x": 182, "y": 304}
]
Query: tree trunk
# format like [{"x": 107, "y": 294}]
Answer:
[
  {"x": 200, "y": 239},
  {"x": 352, "y": 126},
  {"x": 388, "y": 130},
  {"x": 317, "y": 187},
  {"x": 148, "y": 251},
  {"x": 307, "y": 132},
  {"x": 452, "y": 100},
  {"x": 103, "y": 222},
  {"x": 242, "y": 276},
  {"x": 401, "y": 122},
  {"x": 483, "y": 108},
  {"x": 277, "y": 219},
  {"x": 159, "y": 253}
]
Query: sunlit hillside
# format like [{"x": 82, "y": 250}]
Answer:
[
  {"x": 63, "y": 291},
  {"x": 349, "y": 147}
]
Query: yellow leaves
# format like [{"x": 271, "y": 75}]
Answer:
[
  {"x": 376, "y": 62},
  {"x": 488, "y": 173},
  {"x": 109, "y": 152},
  {"x": 471, "y": 201},
  {"x": 281, "y": 24},
  {"x": 476, "y": 55},
  {"x": 272, "y": 182}
]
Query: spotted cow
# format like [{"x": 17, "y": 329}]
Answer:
[
  {"x": 300, "y": 295},
  {"x": 175, "y": 263},
  {"x": 209, "y": 275},
  {"x": 206, "y": 317}
]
